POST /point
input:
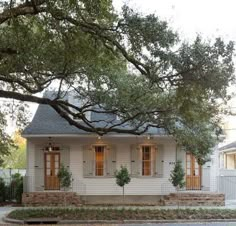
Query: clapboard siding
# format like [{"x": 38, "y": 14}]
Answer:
[
  {"x": 30, "y": 170},
  {"x": 107, "y": 185}
]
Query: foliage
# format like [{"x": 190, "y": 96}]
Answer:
[
  {"x": 6, "y": 142},
  {"x": 123, "y": 214},
  {"x": 17, "y": 186},
  {"x": 17, "y": 155},
  {"x": 12, "y": 191},
  {"x": 2, "y": 190},
  {"x": 122, "y": 176},
  {"x": 177, "y": 175},
  {"x": 131, "y": 65},
  {"x": 65, "y": 177}
]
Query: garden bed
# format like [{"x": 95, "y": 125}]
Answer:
[{"x": 122, "y": 214}]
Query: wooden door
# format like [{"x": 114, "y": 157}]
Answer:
[
  {"x": 52, "y": 165},
  {"x": 193, "y": 173}
]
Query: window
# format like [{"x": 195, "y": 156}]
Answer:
[
  {"x": 99, "y": 160},
  {"x": 146, "y": 160},
  {"x": 230, "y": 161}
]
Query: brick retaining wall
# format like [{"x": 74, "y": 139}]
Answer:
[
  {"x": 194, "y": 199},
  {"x": 50, "y": 199}
]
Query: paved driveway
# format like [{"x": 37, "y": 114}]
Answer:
[{"x": 5, "y": 210}]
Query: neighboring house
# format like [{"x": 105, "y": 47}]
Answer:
[
  {"x": 227, "y": 170},
  {"x": 93, "y": 160},
  {"x": 226, "y": 152}
]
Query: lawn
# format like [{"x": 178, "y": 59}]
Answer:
[{"x": 122, "y": 214}]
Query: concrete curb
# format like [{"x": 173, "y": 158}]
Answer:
[
  {"x": 144, "y": 221},
  {"x": 14, "y": 221}
]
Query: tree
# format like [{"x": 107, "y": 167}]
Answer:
[
  {"x": 65, "y": 177},
  {"x": 131, "y": 65},
  {"x": 16, "y": 158},
  {"x": 122, "y": 178},
  {"x": 177, "y": 178},
  {"x": 177, "y": 175}
]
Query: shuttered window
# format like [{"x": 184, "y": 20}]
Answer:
[
  {"x": 99, "y": 160},
  {"x": 147, "y": 160}
]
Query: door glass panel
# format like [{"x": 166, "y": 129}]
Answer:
[
  {"x": 56, "y": 158},
  {"x": 188, "y": 172},
  {"x": 48, "y": 164},
  {"x": 56, "y": 164},
  {"x": 48, "y": 157},
  {"x": 196, "y": 172},
  {"x": 188, "y": 165},
  {"x": 188, "y": 158},
  {"x": 48, "y": 172}
]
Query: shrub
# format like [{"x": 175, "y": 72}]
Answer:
[
  {"x": 177, "y": 175},
  {"x": 65, "y": 177},
  {"x": 17, "y": 187},
  {"x": 2, "y": 190}
]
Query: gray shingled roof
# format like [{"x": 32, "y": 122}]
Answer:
[
  {"x": 228, "y": 146},
  {"x": 48, "y": 122}
]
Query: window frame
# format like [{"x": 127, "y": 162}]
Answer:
[
  {"x": 142, "y": 147},
  {"x": 95, "y": 161}
]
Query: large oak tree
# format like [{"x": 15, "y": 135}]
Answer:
[{"x": 129, "y": 64}]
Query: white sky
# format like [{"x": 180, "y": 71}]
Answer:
[{"x": 210, "y": 18}]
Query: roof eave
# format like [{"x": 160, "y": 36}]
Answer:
[{"x": 90, "y": 135}]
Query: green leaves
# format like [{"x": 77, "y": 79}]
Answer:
[
  {"x": 131, "y": 65},
  {"x": 65, "y": 177},
  {"x": 177, "y": 175},
  {"x": 122, "y": 176}
]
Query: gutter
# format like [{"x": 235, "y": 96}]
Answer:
[{"x": 91, "y": 135}]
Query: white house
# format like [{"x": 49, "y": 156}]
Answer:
[{"x": 93, "y": 160}]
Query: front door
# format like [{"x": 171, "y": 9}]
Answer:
[
  {"x": 52, "y": 165},
  {"x": 193, "y": 173}
]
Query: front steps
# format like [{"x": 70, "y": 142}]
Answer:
[
  {"x": 51, "y": 198},
  {"x": 194, "y": 199}
]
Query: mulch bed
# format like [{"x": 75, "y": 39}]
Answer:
[{"x": 122, "y": 214}]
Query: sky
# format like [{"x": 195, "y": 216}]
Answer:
[{"x": 210, "y": 18}]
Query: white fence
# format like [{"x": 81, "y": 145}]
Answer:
[
  {"x": 227, "y": 185},
  {"x": 7, "y": 173},
  {"x": 206, "y": 179}
]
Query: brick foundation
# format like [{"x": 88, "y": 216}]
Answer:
[
  {"x": 51, "y": 199},
  {"x": 194, "y": 199}
]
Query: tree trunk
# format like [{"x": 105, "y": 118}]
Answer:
[
  {"x": 65, "y": 197},
  {"x": 123, "y": 194}
]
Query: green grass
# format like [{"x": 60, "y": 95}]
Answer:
[{"x": 122, "y": 214}]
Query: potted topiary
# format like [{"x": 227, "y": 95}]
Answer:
[
  {"x": 65, "y": 179},
  {"x": 122, "y": 178},
  {"x": 177, "y": 177}
]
